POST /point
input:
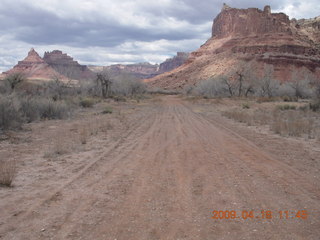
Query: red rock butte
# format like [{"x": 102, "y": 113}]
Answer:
[
  {"x": 34, "y": 67},
  {"x": 250, "y": 37},
  {"x": 54, "y": 64}
]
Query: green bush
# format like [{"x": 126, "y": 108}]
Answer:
[
  {"x": 107, "y": 110},
  {"x": 286, "y": 107},
  {"x": 87, "y": 102},
  {"x": 289, "y": 98},
  {"x": 246, "y": 106}
]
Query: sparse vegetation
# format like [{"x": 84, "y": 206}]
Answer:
[
  {"x": 286, "y": 107},
  {"x": 15, "y": 110},
  {"x": 107, "y": 110},
  {"x": 10, "y": 116},
  {"x": 246, "y": 106},
  {"x": 285, "y": 120},
  {"x": 87, "y": 102},
  {"x": 14, "y": 80},
  {"x": 8, "y": 170},
  {"x": 315, "y": 105}
]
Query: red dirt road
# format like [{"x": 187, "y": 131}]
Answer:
[{"x": 164, "y": 180}]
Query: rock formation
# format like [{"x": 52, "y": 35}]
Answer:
[
  {"x": 309, "y": 27},
  {"x": 53, "y": 64},
  {"x": 144, "y": 70},
  {"x": 173, "y": 63},
  {"x": 138, "y": 70},
  {"x": 33, "y": 66},
  {"x": 250, "y": 37},
  {"x": 66, "y": 66}
]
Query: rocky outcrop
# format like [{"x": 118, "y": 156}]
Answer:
[
  {"x": 33, "y": 66},
  {"x": 250, "y": 37},
  {"x": 174, "y": 62},
  {"x": 309, "y": 27},
  {"x": 233, "y": 22},
  {"x": 66, "y": 66}
]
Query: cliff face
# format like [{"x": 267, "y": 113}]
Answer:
[
  {"x": 33, "y": 66},
  {"x": 309, "y": 27},
  {"x": 232, "y": 22},
  {"x": 250, "y": 37},
  {"x": 66, "y": 66},
  {"x": 174, "y": 62}
]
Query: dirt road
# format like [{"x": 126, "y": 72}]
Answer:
[{"x": 163, "y": 180}]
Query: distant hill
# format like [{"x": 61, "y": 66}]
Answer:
[{"x": 144, "y": 70}]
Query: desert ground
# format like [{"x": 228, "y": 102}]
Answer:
[{"x": 158, "y": 169}]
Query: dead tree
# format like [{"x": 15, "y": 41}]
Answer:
[
  {"x": 14, "y": 80},
  {"x": 104, "y": 81},
  {"x": 240, "y": 79}
]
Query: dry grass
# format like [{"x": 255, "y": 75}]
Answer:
[
  {"x": 8, "y": 170},
  {"x": 293, "y": 123},
  {"x": 60, "y": 145},
  {"x": 285, "y": 121},
  {"x": 83, "y": 136},
  {"x": 251, "y": 118}
]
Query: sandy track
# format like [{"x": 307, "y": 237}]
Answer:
[{"x": 164, "y": 179}]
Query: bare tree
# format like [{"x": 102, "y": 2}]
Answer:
[
  {"x": 244, "y": 79},
  {"x": 268, "y": 85},
  {"x": 104, "y": 83},
  {"x": 14, "y": 80},
  {"x": 230, "y": 85},
  {"x": 301, "y": 83}
]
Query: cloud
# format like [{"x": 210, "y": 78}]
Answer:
[{"x": 108, "y": 31}]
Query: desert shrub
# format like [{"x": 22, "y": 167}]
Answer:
[
  {"x": 211, "y": 88},
  {"x": 4, "y": 87},
  {"x": 292, "y": 123},
  {"x": 163, "y": 91},
  {"x": 42, "y": 108},
  {"x": 256, "y": 117},
  {"x": 245, "y": 106},
  {"x": 107, "y": 110},
  {"x": 29, "y": 109},
  {"x": 315, "y": 105},
  {"x": 286, "y": 98},
  {"x": 87, "y": 102},
  {"x": 285, "y": 90},
  {"x": 10, "y": 117},
  {"x": 127, "y": 87},
  {"x": 286, "y": 107},
  {"x": 8, "y": 172},
  {"x": 52, "y": 109},
  {"x": 119, "y": 98},
  {"x": 14, "y": 80}
]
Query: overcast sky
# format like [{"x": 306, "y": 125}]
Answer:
[{"x": 103, "y": 32}]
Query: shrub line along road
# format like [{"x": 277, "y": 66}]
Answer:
[{"x": 164, "y": 179}]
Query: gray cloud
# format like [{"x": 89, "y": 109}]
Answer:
[{"x": 129, "y": 31}]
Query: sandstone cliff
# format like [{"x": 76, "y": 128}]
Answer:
[
  {"x": 173, "y": 63},
  {"x": 250, "y": 37},
  {"x": 66, "y": 66}
]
